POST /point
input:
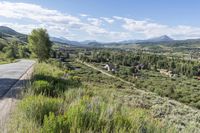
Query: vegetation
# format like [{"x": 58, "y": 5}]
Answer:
[
  {"x": 180, "y": 84},
  {"x": 76, "y": 109},
  {"x": 66, "y": 96},
  {"x": 13, "y": 45},
  {"x": 39, "y": 43},
  {"x": 11, "y": 50},
  {"x": 150, "y": 61}
]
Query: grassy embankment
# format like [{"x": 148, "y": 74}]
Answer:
[{"x": 61, "y": 100}]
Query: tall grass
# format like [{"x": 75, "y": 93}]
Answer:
[
  {"x": 36, "y": 107},
  {"x": 30, "y": 113},
  {"x": 93, "y": 114},
  {"x": 51, "y": 80}
]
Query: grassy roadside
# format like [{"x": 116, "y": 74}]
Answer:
[{"x": 61, "y": 100}]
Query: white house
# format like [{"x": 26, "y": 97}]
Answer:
[{"x": 110, "y": 67}]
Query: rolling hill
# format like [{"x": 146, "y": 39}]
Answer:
[{"x": 8, "y": 34}]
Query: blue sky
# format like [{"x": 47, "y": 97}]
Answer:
[{"x": 104, "y": 20}]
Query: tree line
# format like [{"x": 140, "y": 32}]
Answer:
[{"x": 150, "y": 61}]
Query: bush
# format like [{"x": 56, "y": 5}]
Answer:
[
  {"x": 36, "y": 107},
  {"x": 55, "y": 124},
  {"x": 94, "y": 115},
  {"x": 41, "y": 87},
  {"x": 50, "y": 80}
]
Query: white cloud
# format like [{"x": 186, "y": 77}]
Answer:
[
  {"x": 57, "y": 23},
  {"x": 83, "y": 15},
  {"x": 25, "y": 17},
  {"x": 34, "y": 12},
  {"x": 95, "y": 21},
  {"x": 152, "y": 29},
  {"x": 93, "y": 30},
  {"x": 108, "y": 20},
  {"x": 20, "y": 27}
]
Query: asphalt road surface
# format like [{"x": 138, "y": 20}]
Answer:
[{"x": 11, "y": 73}]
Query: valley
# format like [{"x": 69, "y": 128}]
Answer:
[{"x": 74, "y": 85}]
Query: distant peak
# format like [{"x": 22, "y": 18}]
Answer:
[
  {"x": 7, "y": 30},
  {"x": 163, "y": 38}
]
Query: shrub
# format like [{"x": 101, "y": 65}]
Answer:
[
  {"x": 94, "y": 115},
  {"x": 55, "y": 124},
  {"x": 50, "y": 81},
  {"x": 36, "y": 107},
  {"x": 41, "y": 87}
]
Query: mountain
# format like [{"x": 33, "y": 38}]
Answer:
[
  {"x": 64, "y": 41},
  {"x": 6, "y": 33},
  {"x": 163, "y": 38},
  {"x": 9, "y": 31},
  {"x": 129, "y": 41},
  {"x": 88, "y": 41}
]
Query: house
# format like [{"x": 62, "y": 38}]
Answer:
[
  {"x": 110, "y": 67},
  {"x": 140, "y": 66},
  {"x": 166, "y": 72},
  {"x": 136, "y": 69}
]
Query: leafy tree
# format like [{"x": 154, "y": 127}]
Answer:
[
  {"x": 23, "y": 52},
  {"x": 11, "y": 51},
  {"x": 40, "y": 44},
  {"x": 2, "y": 46}
]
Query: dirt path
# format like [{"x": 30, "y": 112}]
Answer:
[
  {"x": 21, "y": 70},
  {"x": 106, "y": 73}
]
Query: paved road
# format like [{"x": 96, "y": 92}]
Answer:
[{"x": 11, "y": 73}]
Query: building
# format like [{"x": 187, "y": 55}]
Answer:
[
  {"x": 110, "y": 67},
  {"x": 167, "y": 73}
]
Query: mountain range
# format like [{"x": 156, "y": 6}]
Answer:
[{"x": 6, "y": 32}]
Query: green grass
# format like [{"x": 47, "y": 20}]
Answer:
[
  {"x": 92, "y": 114},
  {"x": 85, "y": 107},
  {"x": 52, "y": 81}
]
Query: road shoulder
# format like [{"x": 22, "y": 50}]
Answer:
[{"x": 10, "y": 99}]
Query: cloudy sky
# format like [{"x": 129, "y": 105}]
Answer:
[{"x": 104, "y": 20}]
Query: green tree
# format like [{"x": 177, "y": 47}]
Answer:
[
  {"x": 23, "y": 52},
  {"x": 10, "y": 51},
  {"x": 39, "y": 44}
]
